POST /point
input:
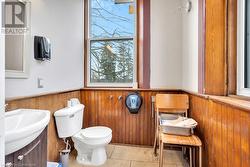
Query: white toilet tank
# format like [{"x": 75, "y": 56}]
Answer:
[{"x": 69, "y": 120}]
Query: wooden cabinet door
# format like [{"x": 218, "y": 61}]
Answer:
[
  {"x": 9, "y": 160},
  {"x": 33, "y": 155},
  {"x": 29, "y": 156}
]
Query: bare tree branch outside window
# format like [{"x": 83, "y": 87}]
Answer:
[{"x": 112, "y": 34}]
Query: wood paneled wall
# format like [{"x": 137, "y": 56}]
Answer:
[
  {"x": 224, "y": 131},
  {"x": 52, "y": 103},
  {"x": 104, "y": 108}
]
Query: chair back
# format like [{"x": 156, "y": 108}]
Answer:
[{"x": 171, "y": 102}]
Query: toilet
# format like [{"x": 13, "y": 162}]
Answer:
[{"x": 90, "y": 142}]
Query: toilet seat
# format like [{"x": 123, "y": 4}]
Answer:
[
  {"x": 95, "y": 132},
  {"x": 97, "y": 135}
]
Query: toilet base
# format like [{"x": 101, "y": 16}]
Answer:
[
  {"x": 91, "y": 148},
  {"x": 98, "y": 157}
]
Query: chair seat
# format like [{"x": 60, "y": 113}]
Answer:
[{"x": 181, "y": 140}]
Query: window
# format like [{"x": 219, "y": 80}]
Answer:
[
  {"x": 111, "y": 58},
  {"x": 243, "y": 54}
]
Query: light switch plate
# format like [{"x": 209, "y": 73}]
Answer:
[{"x": 40, "y": 83}]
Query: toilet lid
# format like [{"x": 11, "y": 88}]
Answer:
[{"x": 96, "y": 132}]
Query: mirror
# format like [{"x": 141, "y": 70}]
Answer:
[
  {"x": 16, "y": 56},
  {"x": 17, "y": 40}
]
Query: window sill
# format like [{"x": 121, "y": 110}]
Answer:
[
  {"x": 131, "y": 89},
  {"x": 232, "y": 101},
  {"x": 240, "y": 97},
  {"x": 239, "y": 102}
]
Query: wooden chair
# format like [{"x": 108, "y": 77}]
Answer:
[
  {"x": 174, "y": 104},
  {"x": 169, "y": 104}
]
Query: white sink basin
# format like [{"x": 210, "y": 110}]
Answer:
[{"x": 22, "y": 126}]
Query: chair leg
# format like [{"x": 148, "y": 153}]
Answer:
[
  {"x": 190, "y": 157},
  {"x": 156, "y": 134},
  {"x": 200, "y": 156},
  {"x": 161, "y": 154},
  {"x": 158, "y": 139},
  {"x": 155, "y": 144},
  {"x": 184, "y": 151}
]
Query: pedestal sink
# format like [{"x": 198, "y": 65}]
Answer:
[{"x": 22, "y": 126}]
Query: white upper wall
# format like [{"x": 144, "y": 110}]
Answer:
[
  {"x": 166, "y": 44},
  {"x": 62, "y": 22},
  {"x": 190, "y": 48},
  {"x": 174, "y": 47}
]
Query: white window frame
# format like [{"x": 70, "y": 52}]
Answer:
[
  {"x": 241, "y": 90},
  {"x": 118, "y": 85}
]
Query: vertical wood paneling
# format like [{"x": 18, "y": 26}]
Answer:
[
  {"x": 212, "y": 117},
  {"x": 237, "y": 137},
  {"x": 224, "y": 128},
  {"x": 224, "y": 132},
  {"x": 104, "y": 108},
  {"x": 230, "y": 137},
  {"x": 245, "y": 147},
  {"x": 218, "y": 140},
  {"x": 52, "y": 103}
]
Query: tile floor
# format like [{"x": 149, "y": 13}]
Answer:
[{"x": 130, "y": 156}]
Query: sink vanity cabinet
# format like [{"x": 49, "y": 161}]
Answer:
[{"x": 32, "y": 155}]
